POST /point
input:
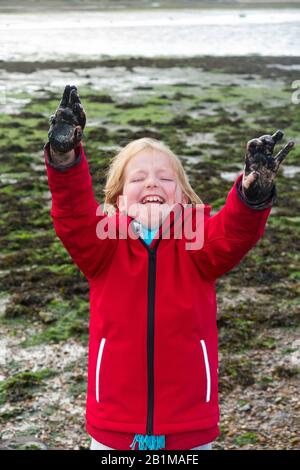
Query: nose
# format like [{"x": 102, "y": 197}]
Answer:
[{"x": 151, "y": 181}]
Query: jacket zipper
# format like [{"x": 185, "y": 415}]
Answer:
[
  {"x": 150, "y": 331},
  {"x": 207, "y": 370},
  {"x": 98, "y": 366},
  {"x": 150, "y": 337}
]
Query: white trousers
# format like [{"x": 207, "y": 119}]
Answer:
[{"x": 98, "y": 446}]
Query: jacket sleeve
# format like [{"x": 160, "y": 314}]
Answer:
[
  {"x": 74, "y": 215},
  {"x": 230, "y": 234}
]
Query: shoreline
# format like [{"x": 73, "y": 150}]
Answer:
[
  {"x": 251, "y": 64},
  {"x": 195, "y": 61},
  {"x": 32, "y": 5}
]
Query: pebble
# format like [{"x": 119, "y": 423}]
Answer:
[{"x": 246, "y": 407}]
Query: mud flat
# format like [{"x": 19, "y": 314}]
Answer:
[{"x": 205, "y": 109}]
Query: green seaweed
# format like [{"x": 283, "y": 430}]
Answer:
[{"x": 22, "y": 385}]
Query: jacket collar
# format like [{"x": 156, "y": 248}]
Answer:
[{"x": 127, "y": 226}]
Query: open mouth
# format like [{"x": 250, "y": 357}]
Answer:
[{"x": 152, "y": 200}]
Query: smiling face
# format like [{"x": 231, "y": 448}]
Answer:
[{"x": 151, "y": 187}]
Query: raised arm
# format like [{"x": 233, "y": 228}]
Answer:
[
  {"x": 73, "y": 203},
  {"x": 237, "y": 227}
]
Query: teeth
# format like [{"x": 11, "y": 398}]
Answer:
[{"x": 152, "y": 199}]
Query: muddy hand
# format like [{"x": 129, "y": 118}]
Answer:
[
  {"x": 261, "y": 166},
  {"x": 68, "y": 122}
]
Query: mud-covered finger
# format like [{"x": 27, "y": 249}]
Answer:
[
  {"x": 78, "y": 133},
  {"x": 283, "y": 153},
  {"x": 79, "y": 112},
  {"x": 78, "y": 109},
  {"x": 52, "y": 119},
  {"x": 65, "y": 97},
  {"x": 254, "y": 144},
  {"x": 277, "y": 136},
  {"x": 74, "y": 98}
]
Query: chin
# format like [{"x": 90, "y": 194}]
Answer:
[{"x": 151, "y": 215}]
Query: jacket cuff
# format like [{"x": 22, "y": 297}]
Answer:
[
  {"x": 256, "y": 205},
  {"x": 62, "y": 167}
]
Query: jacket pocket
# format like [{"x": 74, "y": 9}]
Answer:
[
  {"x": 207, "y": 370},
  {"x": 98, "y": 367}
]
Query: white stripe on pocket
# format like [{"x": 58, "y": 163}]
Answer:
[
  {"x": 207, "y": 369},
  {"x": 99, "y": 358}
]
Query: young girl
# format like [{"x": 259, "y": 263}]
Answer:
[{"x": 153, "y": 359}]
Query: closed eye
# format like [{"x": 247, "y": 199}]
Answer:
[{"x": 141, "y": 179}]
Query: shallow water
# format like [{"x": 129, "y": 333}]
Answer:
[{"x": 161, "y": 32}]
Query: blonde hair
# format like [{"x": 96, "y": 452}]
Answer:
[{"x": 115, "y": 173}]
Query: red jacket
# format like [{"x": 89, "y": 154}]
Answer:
[{"x": 153, "y": 358}]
